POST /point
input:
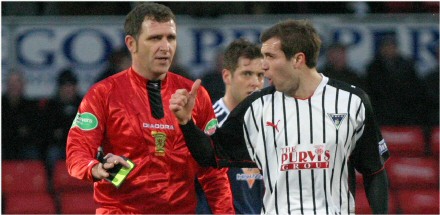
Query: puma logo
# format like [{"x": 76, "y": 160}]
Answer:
[{"x": 271, "y": 124}]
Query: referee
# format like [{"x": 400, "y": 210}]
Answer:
[{"x": 303, "y": 132}]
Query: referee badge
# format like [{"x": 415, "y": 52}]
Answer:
[
  {"x": 160, "y": 139},
  {"x": 337, "y": 118}
]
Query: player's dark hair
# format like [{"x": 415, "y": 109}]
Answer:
[
  {"x": 296, "y": 36},
  {"x": 239, "y": 48},
  {"x": 152, "y": 11}
]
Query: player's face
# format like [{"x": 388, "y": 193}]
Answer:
[
  {"x": 248, "y": 77},
  {"x": 154, "y": 50},
  {"x": 280, "y": 71}
]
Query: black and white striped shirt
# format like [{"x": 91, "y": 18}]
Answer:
[{"x": 303, "y": 147}]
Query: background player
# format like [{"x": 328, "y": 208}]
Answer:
[{"x": 242, "y": 74}]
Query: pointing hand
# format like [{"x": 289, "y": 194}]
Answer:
[{"x": 182, "y": 102}]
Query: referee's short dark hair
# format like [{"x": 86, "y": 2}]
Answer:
[
  {"x": 239, "y": 48},
  {"x": 296, "y": 36},
  {"x": 153, "y": 11}
]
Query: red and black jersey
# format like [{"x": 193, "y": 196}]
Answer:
[{"x": 117, "y": 114}]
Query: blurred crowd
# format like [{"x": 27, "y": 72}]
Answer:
[
  {"x": 37, "y": 129},
  {"x": 214, "y": 9}
]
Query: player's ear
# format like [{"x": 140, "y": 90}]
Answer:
[
  {"x": 227, "y": 76},
  {"x": 298, "y": 59},
  {"x": 131, "y": 44}
]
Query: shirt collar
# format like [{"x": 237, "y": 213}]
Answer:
[{"x": 141, "y": 81}]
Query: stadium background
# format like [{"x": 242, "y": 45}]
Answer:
[{"x": 42, "y": 38}]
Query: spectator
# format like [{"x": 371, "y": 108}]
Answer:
[
  {"x": 336, "y": 66},
  {"x": 431, "y": 82},
  {"x": 394, "y": 87},
  {"x": 118, "y": 60},
  {"x": 19, "y": 117},
  {"x": 59, "y": 114},
  {"x": 93, "y": 8}
]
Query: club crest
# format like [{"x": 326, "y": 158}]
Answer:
[
  {"x": 337, "y": 118},
  {"x": 160, "y": 139}
]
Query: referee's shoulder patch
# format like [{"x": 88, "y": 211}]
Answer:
[
  {"x": 211, "y": 126},
  {"x": 85, "y": 121}
]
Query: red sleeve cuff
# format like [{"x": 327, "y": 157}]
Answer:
[{"x": 91, "y": 164}]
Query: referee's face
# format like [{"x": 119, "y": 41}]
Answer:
[
  {"x": 154, "y": 49},
  {"x": 280, "y": 71}
]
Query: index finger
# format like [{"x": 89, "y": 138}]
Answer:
[
  {"x": 124, "y": 163},
  {"x": 109, "y": 155},
  {"x": 115, "y": 160},
  {"x": 195, "y": 87}
]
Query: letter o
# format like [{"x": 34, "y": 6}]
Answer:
[{"x": 69, "y": 48}]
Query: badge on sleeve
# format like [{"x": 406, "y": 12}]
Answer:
[
  {"x": 382, "y": 147},
  {"x": 85, "y": 121},
  {"x": 211, "y": 126}
]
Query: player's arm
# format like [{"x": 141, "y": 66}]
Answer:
[
  {"x": 199, "y": 144},
  {"x": 370, "y": 155},
  {"x": 183, "y": 105},
  {"x": 229, "y": 151},
  {"x": 376, "y": 189},
  {"x": 226, "y": 147}
]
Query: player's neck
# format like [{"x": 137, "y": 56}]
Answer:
[
  {"x": 308, "y": 84},
  {"x": 229, "y": 101}
]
